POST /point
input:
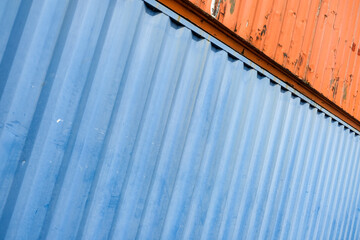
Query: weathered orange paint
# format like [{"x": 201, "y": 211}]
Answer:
[
  {"x": 317, "y": 40},
  {"x": 209, "y": 24}
]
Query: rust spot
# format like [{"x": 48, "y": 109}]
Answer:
[
  {"x": 300, "y": 60},
  {"x": 243, "y": 51},
  {"x": 359, "y": 52},
  {"x": 263, "y": 31},
  {"x": 306, "y": 81},
  {"x": 250, "y": 39},
  {"x": 309, "y": 68},
  {"x": 260, "y": 32},
  {"x": 285, "y": 55},
  {"x": 235, "y": 30},
  {"x": 353, "y": 47},
  {"x": 267, "y": 16}
]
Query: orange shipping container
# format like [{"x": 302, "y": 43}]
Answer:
[{"x": 317, "y": 40}]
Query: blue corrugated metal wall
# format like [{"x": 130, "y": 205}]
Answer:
[{"x": 116, "y": 121}]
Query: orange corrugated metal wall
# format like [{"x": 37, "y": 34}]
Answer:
[{"x": 316, "y": 40}]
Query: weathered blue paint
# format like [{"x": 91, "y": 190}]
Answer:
[{"x": 118, "y": 122}]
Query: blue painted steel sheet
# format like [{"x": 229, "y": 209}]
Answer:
[{"x": 118, "y": 122}]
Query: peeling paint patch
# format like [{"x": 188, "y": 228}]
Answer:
[
  {"x": 344, "y": 95},
  {"x": 334, "y": 87},
  {"x": 215, "y": 7},
  {"x": 346, "y": 86},
  {"x": 222, "y": 11},
  {"x": 232, "y": 8}
]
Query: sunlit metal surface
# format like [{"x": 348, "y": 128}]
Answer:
[
  {"x": 118, "y": 122},
  {"x": 317, "y": 40}
]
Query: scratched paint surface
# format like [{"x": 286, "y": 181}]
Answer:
[{"x": 317, "y": 40}]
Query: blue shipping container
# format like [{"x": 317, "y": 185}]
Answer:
[{"x": 119, "y": 119}]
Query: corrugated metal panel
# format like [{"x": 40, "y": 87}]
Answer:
[
  {"x": 116, "y": 121},
  {"x": 318, "y": 40}
]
